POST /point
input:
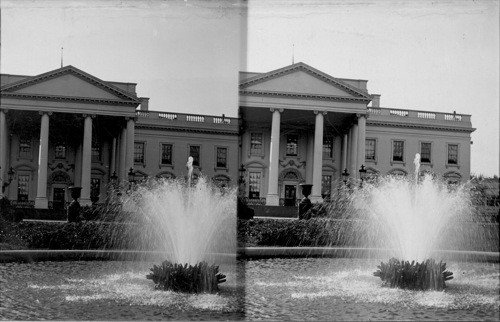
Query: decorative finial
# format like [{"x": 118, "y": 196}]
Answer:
[{"x": 62, "y": 56}]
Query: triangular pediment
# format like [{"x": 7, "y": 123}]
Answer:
[
  {"x": 301, "y": 79},
  {"x": 69, "y": 82}
]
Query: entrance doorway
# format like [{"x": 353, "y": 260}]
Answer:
[
  {"x": 290, "y": 195},
  {"x": 59, "y": 199}
]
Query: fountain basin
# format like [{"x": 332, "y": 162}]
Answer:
[
  {"x": 345, "y": 289},
  {"x": 106, "y": 290},
  {"x": 74, "y": 254},
  {"x": 356, "y": 252}
]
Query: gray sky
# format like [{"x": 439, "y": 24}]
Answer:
[{"x": 429, "y": 55}]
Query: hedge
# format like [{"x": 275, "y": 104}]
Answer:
[
  {"x": 81, "y": 235},
  {"x": 354, "y": 233}
]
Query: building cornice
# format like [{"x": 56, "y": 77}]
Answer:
[
  {"x": 57, "y": 98},
  {"x": 421, "y": 126},
  {"x": 319, "y": 97},
  {"x": 309, "y": 70},
  {"x": 185, "y": 129}
]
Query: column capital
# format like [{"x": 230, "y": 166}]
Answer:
[
  {"x": 4, "y": 110},
  {"x": 316, "y": 112},
  {"x": 128, "y": 118},
  {"x": 272, "y": 110},
  {"x": 358, "y": 116},
  {"x": 89, "y": 115},
  {"x": 44, "y": 112}
]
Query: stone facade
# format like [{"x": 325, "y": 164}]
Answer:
[
  {"x": 295, "y": 125},
  {"x": 304, "y": 126}
]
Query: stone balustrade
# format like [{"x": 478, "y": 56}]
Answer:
[
  {"x": 181, "y": 117},
  {"x": 413, "y": 114}
]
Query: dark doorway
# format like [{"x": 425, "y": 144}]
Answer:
[
  {"x": 290, "y": 195},
  {"x": 59, "y": 199}
]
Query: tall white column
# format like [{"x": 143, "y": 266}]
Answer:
[
  {"x": 354, "y": 152},
  {"x": 3, "y": 149},
  {"x": 309, "y": 158},
  {"x": 86, "y": 161},
  {"x": 122, "y": 172},
  {"x": 349, "y": 149},
  {"x": 318, "y": 157},
  {"x": 361, "y": 140},
  {"x": 344, "y": 153},
  {"x": 112, "y": 166},
  {"x": 129, "y": 160},
  {"x": 78, "y": 166},
  {"x": 272, "y": 198},
  {"x": 41, "y": 201}
]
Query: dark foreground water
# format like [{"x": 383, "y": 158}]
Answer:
[
  {"x": 271, "y": 289},
  {"x": 106, "y": 290},
  {"x": 345, "y": 289}
]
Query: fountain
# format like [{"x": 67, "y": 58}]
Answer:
[
  {"x": 413, "y": 223},
  {"x": 192, "y": 223},
  {"x": 419, "y": 223},
  {"x": 188, "y": 226}
]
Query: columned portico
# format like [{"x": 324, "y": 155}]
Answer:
[
  {"x": 361, "y": 141},
  {"x": 86, "y": 161},
  {"x": 273, "y": 198},
  {"x": 41, "y": 201},
  {"x": 318, "y": 157}
]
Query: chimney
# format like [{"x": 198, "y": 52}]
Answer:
[
  {"x": 144, "y": 103},
  {"x": 375, "y": 100}
]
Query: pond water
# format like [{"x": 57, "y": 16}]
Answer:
[
  {"x": 345, "y": 289},
  {"x": 107, "y": 290},
  {"x": 269, "y": 289}
]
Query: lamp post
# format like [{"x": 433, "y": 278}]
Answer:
[
  {"x": 362, "y": 174},
  {"x": 131, "y": 178},
  {"x": 10, "y": 177},
  {"x": 242, "y": 171},
  {"x": 242, "y": 181},
  {"x": 345, "y": 174},
  {"x": 114, "y": 179}
]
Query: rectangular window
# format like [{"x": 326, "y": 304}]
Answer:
[
  {"x": 452, "y": 153},
  {"x": 95, "y": 189},
  {"x": 370, "y": 145},
  {"x": 194, "y": 151},
  {"x": 425, "y": 152},
  {"x": 254, "y": 185},
  {"x": 139, "y": 152},
  {"x": 326, "y": 185},
  {"x": 397, "y": 150},
  {"x": 292, "y": 145},
  {"x": 23, "y": 187},
  {"x": 221, "y": 157},
  {"x": 256, "y": 144},
  {"x": 25, "y": 148},
  {"x": 327, "y": 147},
  {"x": 60, "y": 151},
  {"x": 166, "y": 154},
  {"x": 96, "y": 152}
]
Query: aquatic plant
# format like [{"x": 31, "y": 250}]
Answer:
[
  {"x": 198, "y": 278},
  {"x": 427, "y": 275}
]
